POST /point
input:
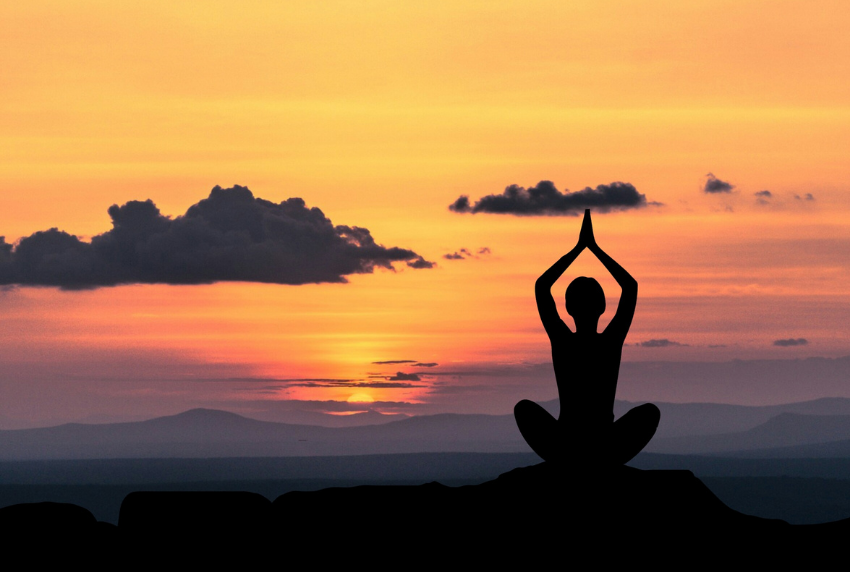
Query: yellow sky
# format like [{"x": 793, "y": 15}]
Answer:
[{"x": 383, "y": 113}]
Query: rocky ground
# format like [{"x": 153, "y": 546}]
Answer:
[{"x": 539, "y": 514}]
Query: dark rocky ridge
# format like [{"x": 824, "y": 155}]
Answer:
[{"x": 525, "y": 515}]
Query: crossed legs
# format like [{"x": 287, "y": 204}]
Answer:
[{"x": 557, "y": 440}]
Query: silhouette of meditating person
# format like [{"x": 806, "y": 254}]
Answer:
[{"x": 587, "y": 364}]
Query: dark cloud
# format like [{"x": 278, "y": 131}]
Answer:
[
  {"x": 460, "y": 390},
  {"x": 264, "y": 390},
  {"x": 401, "y": 376},
  {"x": 763, "y": 197},
  {"x": 791, "y": 342},
  {"x": 807, "y": 196},
  {"x": 372, "y": 384},
  {"x": 545, "y": 199},
  {"x": 391, "y": 382},
  {"x": 393, "y": 361},
  {"x": 465, "y": 253},
  {"x": 495, "y": 371},
  {"x": 660, "y": 343},
  {"x": 229, "y": 236},
  {"x": 388, "y": 385},
  {"x": 426, "y": 364},
  {"x": 285, "y": 380},
  {"x": 461, "y": 205},
  {"x": 419, "y": 263},
  {"x": 715, "y": 185}
]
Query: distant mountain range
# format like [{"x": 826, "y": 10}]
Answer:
[
  {"x": 211, "y": 433},
  {"x": 813, "y": 428},
  {"x": 786, "y": 430},
  {"x": 682, "y": 419}
]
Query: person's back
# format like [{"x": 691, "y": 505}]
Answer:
[
  {"x": 586, "y": 370},
  {"x": 587, "y": 366}
]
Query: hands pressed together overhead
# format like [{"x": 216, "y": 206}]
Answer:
[{"x": 585, "y": 237}]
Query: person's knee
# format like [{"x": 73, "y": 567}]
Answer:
[
  {"x": 650, "y": 413},
  {"x": 524, "y": 408},
  {"x": 531, "y": 416}
]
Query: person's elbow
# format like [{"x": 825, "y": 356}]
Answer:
[{"x": 542, "y": 286}]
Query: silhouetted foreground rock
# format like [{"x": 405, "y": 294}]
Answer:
[
  {"x": 537, "y": 513},
  {"x": 544, "y": 515},
  {"x": 45, "y": 518},
  {"x": 49, "y": 532},
  {"x": 533, "y": 514},
  {"x": 183, "y": 517}
]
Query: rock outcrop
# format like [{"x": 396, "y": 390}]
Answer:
[{"x": 534, "y": 515}]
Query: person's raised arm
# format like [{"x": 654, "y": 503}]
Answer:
[
  {"x": 543, "y": 289},
  {"x": 628, "y": 299}
]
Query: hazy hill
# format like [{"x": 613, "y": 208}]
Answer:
[
  {"x": 680, "y": 419},
  {"x": 696, "y": 428},
  {"x": 808, "y": 451},
  {"x": 784, "y": 430},
  {"x": 211, "y": 433}
]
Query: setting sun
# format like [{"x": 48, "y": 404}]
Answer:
[{"x": 361, "y": 398}]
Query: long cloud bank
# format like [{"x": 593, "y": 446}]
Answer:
[
  {"x": 229, "y": 236},
  {"x": 545, "y": 199}
]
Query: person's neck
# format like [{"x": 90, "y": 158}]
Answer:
[{"x": 586, "y": 326}]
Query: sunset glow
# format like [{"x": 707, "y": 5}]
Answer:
[{"x": 381, "y": 114}]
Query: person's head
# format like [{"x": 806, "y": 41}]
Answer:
[{"x": 585, "y": 299}]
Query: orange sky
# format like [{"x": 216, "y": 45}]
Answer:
[{"x": 383, "y": 113}]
